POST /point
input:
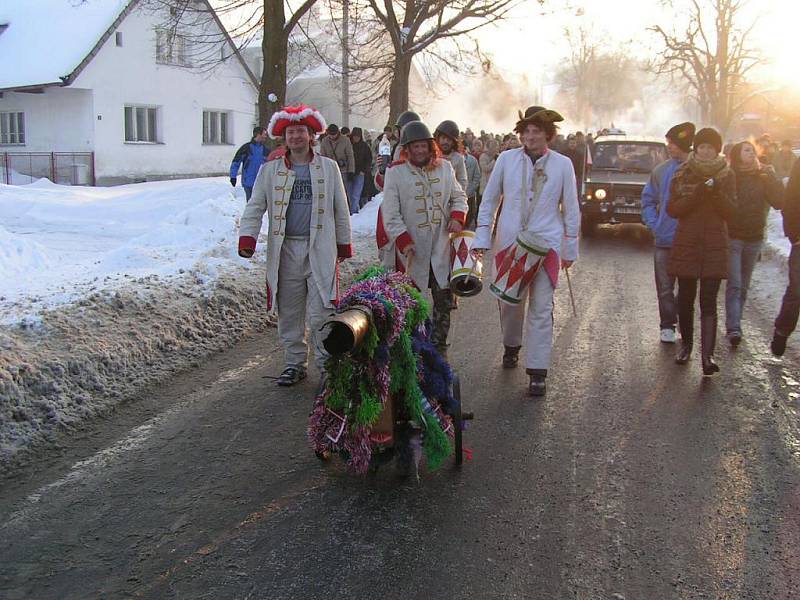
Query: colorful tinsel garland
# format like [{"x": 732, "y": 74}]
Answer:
[{"x": 397, "y": 359}]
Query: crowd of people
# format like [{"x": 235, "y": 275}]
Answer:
[{"x": 706, "y": 206}]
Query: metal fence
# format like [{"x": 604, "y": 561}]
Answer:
[{"x": 65, "y": 168}]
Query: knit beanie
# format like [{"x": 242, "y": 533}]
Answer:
[
  {"x": 707, "y": 135},
  {"x": 682, "y": 135}
]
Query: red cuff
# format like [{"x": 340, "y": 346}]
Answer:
[
  {"x": 404, "y": 241},
  {"x": 459, "y": 216},
  {"x": 247, "y": 246},
  {"x": 344, "y": 250}
]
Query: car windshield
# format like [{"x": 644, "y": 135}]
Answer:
[{"x": 628, "y": 157}]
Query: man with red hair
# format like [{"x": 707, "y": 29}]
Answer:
[
  {"x": 308, "y": 233},
  {"x": 422, "y": 204}
]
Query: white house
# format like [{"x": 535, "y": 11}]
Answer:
[{"x": 106, "y": 77}]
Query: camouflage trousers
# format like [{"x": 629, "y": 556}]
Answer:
[{"x": 443, "y": 303}]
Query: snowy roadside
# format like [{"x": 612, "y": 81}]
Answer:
[{"x": 108, "y": 290}]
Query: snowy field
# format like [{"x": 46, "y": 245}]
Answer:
[
  {"x": 60, "y": 243},
  {"x": 107, "y": 290}
]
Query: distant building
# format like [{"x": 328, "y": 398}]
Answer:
[{"x": 105, "y": 77}]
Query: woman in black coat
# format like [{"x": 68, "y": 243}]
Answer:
[{"x": 757, "y": 188}]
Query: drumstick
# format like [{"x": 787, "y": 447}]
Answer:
[{"x": 571, "y": 295}]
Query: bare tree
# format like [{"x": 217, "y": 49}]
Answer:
[
  {"x": 597, "y": 82},
  {"x": 712, "y": 55},
  {"x": 387, "y": 35},
  {"x": 188, "y": 24}
]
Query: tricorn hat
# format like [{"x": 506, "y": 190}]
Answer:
[{"x": 537, "y": 113}]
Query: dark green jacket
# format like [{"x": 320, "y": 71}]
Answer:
[{"x": 755, "y": 193}]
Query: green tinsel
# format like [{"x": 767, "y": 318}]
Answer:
[
  {"x": 373, "y": 271},
  {"x": 369, "y": 408},
  {"x": 371, "y": 341},
  {"x": 417, "y": 314},
  {"x": 340, "y": 382},
  {"x": 436, "y": 444}
]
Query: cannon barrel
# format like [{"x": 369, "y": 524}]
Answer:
[{"x": 346, "y": 330}]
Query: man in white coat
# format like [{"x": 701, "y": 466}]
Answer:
[
  {"x": 422, "y": 205},
  {"x": 537, "y": 232},
  {"x": 308, "y": 234}
]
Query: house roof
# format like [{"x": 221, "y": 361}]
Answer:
[{"x": 53, "y": 40}]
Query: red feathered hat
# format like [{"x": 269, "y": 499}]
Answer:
[{"x": 295, "y": 115}]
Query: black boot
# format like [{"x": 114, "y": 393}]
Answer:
[
  {"x": 686, "y": 326},
  {"x": 778, "y": 344},
  {"x": 537, "y": 385},
  {"x": 685, "y": 353},
  {"x": 708, "y": 341},
  {"x": 511, "y": 357}
]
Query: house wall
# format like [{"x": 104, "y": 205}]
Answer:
[
  {"x": 60, "y": 120},
  {"x": 89, "y": 114}
]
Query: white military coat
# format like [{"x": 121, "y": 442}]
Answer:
[
  {"x": 417, "y": 207},
  {"x": 329, "y": 237}
]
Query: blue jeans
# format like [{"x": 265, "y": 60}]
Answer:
[
  {"x": 354, "y": 188},
  {"x": 248, "y": 191},
  {"x": 742, "y": 257},
  {"x": 790, "y": 307},
  {"x": 665, "y": 288}
]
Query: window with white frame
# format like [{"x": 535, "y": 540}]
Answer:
[
  {"x": 172, "y": 48},
  {"x": 142, "y": 124},
  {"x": 12, "y": 128},
  {"x": 217, "y": 127}
]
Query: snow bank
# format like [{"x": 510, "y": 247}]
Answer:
[
  {"x": 64, "y": 242},
  {"x": 107, "y": 290},
  {"x": 364, "y": 223},
  {"x": 776, "y": 244}
]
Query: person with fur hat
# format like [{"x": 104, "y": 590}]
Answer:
[
  {"x": 422, "y": 205},
  {"x": 655, "y": 198},
  {"x": 308, "y": 233},
  {"x": 703, "y": 200},
  {"x": 757, "y": 188},
  {"x": 451, "y": 146},
  {"x": 540, "y": 218}
]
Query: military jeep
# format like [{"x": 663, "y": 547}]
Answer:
[{"x": 616, "y": 171}]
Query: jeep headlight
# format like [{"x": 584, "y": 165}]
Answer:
[{"x": 600, "y": 194}]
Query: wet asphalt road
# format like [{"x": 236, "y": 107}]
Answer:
[{"x": 634, "y": 478}]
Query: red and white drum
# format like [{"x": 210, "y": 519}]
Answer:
[
  {"x": 515, "y": 267},
  {"x": 466, "y": 271}
]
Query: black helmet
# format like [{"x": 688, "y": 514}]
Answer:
[
  {"x": 407, "y": 117},
  {"x": 414, "y": 131},
  {"x": 448, "y": 128}
]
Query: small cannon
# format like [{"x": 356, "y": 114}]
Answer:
[{"x": 346, "y": 330}]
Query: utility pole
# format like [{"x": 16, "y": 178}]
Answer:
[{"x": 345, "y": 63}]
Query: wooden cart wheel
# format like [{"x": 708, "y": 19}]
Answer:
[{"x": 457, "y": 421}]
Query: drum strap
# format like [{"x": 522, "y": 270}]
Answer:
[{"x": 531, "y": 200}]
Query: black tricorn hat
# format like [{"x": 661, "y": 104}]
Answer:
[
  {"x": 535, "y": 114},
  {"x": 540, "y": 113}
]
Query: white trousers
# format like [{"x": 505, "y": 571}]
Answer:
[
  {"x": 298, "y": 296},
  {"x": 536, "y": 317}
]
